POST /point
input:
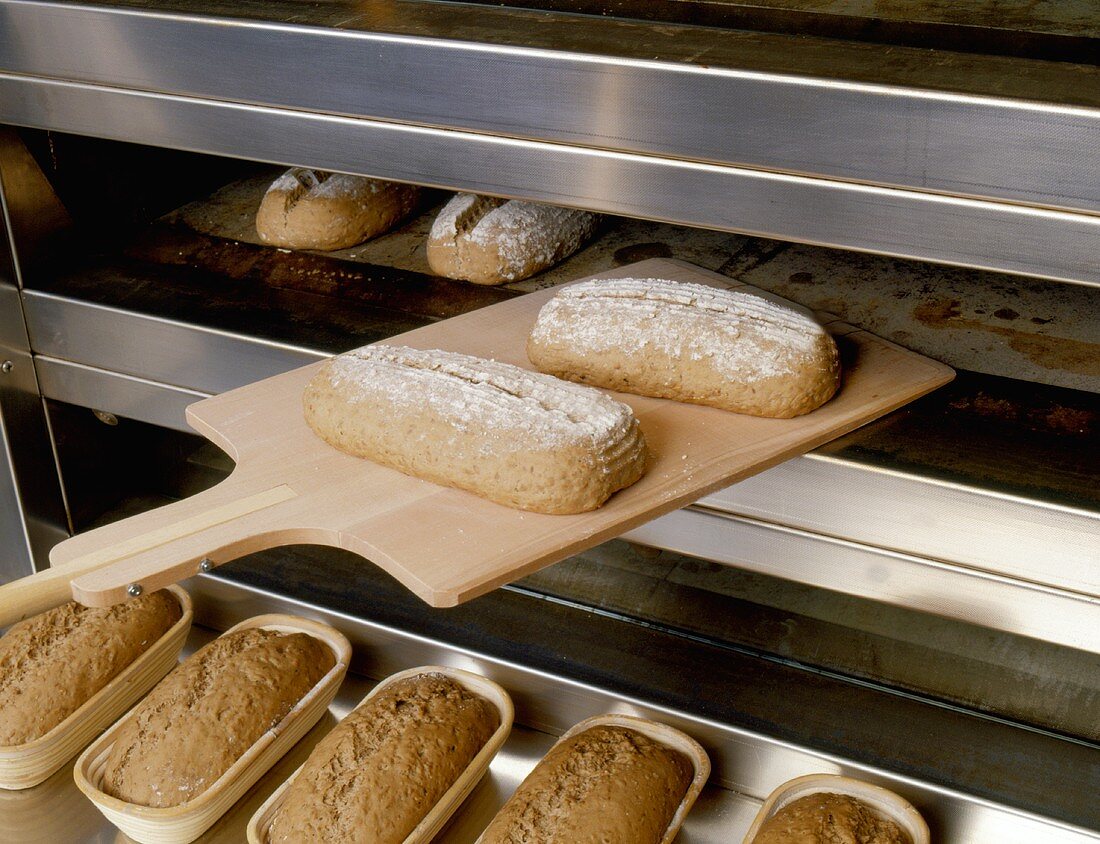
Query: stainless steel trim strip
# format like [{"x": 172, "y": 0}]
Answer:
[
  {"x": 701, "y": 108},
  {"x": 988, "y": 599},
  {"x": 1009, "y": 238},
  {"x": 122, "y": 395},
  {"x": 991, "y": 531},
  {"x": 747, "y": 762},
  {"x": 185, "y": 356}
]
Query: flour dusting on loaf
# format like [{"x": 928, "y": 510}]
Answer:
[
  {"x": 731, "y": 349},
  {"x": 492, "y": 241},
  {"x": 516, "y": 437},
  {"x": 316, "y": 209}
]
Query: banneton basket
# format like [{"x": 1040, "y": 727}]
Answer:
[
  {"x": 662, "y": 734},
  {"x": 186, "y": 822},
  {"x": 882, "y": 800},
  {"x": 433, "y": 822},
  {"x": 28, "y": 764}
]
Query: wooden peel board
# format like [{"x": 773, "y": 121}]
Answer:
[{"x": 444, "y": 544}]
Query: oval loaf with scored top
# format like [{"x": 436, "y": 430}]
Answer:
[
  {"x": 730, "y": 349},
  {"x": 316, "y": 209},
  {"x": 513, "y": 436},
  {"x": 487, "y": 240}
]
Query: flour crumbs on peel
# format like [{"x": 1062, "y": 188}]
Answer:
[
  {"x": 517, "y": 437},
  {"x": 730, "y": 349}
]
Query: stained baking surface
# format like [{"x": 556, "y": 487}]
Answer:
[{"x": 447, "y": 545}]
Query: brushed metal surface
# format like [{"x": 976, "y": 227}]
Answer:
[
  {"x": 986, "y": 598},
  {"x": 707, "y": 108},
  {"x": 978, "y": 528},
  {"x": 1010, "y": 238},
  {"x": 122, "y": 395},
  {"x": 33, "y": 515},
  {"x": 178, "y": 354}
]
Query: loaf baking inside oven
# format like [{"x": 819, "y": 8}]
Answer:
[
  {"x": 488, "y": 240},
  {"x": 204, "y": 715},
  {"x": 380, "y": 772},
  {"x": 52, "y": 663}
]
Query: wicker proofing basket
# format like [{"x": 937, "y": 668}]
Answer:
[
  {"x": 669, "y": 737},
  {"x": 186, "y": 822},
  {"x": 882, "y": 800},
  {"x": 28, "y": 764},
  {"x": 433, "y": 822}
]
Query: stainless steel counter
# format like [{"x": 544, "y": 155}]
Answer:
[{"x": 747, "y": 765}]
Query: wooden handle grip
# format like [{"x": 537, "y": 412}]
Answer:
[
  {"x": 171, "y": 541},
  {"x": 31, "y": 595}
]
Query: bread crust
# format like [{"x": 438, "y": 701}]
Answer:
[
  {"x": 314, "y": 209},
  {"x": 730, "y": 349},
  {"x": 516, "y": 437},
  {"x": 486, "y": 240}
]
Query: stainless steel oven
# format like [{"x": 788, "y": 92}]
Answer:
[{"x": 917, "y": 602}]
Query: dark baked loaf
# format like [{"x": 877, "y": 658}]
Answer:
[
  {"x": 376, "y": 776},
  {"x": 606, "y": 785},
  {"x": 204, "y": 715},
  {"x": 52, "y": 663},
  {"x": 824, "y": 817}
]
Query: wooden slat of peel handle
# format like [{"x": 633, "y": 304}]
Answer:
[{"x": 444, "y": 544}]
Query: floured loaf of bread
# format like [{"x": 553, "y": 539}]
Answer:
[
  {"x": 516, "y": 437},
  {"x": 492, "y": 241},
  {"x": 606, "y": 785},
  {"x": 315, "y": 209},
  {"x": 745, "y": 352},
  {"x": 376, "y": 776}
]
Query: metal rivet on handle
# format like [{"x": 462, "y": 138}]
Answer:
[
  {"x": 134, "y": 589},
  {"x": 206, "y": 565},
  {"x": 6, "y": 367}
]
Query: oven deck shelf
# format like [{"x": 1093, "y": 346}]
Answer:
[
  {"x": 964, "y": 159},
  {"x": 985, "y": 489}
]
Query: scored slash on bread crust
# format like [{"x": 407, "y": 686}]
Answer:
[
  {"x": 513, "y": 436},
  {"x": 314, "y": 209},
  {"x": 486, "y": 240},
  {"x": 730, "y": 349}
]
